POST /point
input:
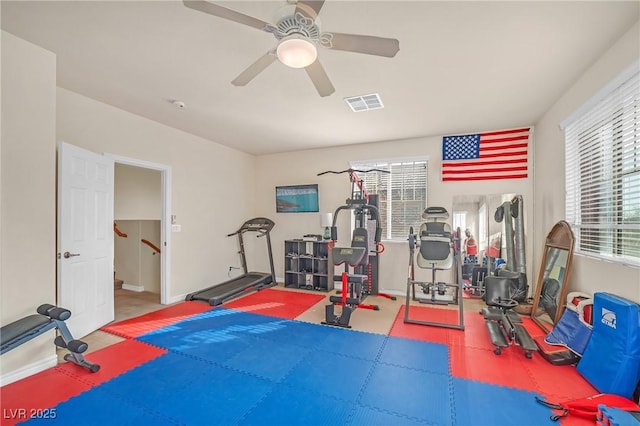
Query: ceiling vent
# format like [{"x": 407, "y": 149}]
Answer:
[{"x": 364, "y": 102}]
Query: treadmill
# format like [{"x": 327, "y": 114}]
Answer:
[{"x": 249, "y": 281}]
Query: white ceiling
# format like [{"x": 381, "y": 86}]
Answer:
[{"x": 462, "y": 66}]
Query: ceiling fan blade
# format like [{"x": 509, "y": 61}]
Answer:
[
  {"x": 370, "y": 45},
  {"x": 310, "y": 8},
  {"x": 223, "y": 12},
  {"x": 254, "y": 69},
  {"x": 319, "y": 77}
]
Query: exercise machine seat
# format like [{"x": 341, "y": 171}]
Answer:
[
  {"x": 519, "y": 287},
  {"x": 31, "y": 325},
  {"x": 435, "y": 241},
  {"x": 349, "y": 255}
]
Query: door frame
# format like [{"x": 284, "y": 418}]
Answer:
[{"x": 165, "y": 218}]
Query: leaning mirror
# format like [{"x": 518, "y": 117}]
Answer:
[{"x": 552, "y": 286}]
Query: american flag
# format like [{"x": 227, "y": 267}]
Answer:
[{"x": 486, "y": 156}]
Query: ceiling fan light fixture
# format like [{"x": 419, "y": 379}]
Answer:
[{"x": 296, "y": 51}]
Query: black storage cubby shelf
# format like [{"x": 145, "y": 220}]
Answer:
[{"x": 306, "y": 265}]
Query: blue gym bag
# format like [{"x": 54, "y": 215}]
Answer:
[
  {"x": 611, "y": 360},
  {"x": 573, "y": 330}
]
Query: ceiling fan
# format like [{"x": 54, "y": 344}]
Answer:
[{"x": 298, "y": 34}]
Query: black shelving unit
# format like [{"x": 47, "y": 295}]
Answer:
[{"x": 306, "y": 265}]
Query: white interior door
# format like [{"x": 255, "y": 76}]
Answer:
[{"x": 85, "y": 238}]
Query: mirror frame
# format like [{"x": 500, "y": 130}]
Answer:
[{"x": 560, "y": 237}]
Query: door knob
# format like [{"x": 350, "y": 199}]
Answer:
[{"x": 68, "y": 255}]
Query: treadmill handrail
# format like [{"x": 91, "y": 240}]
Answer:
[{"x": 257, "y": 224}]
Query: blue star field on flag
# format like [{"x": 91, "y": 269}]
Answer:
[{"x": 461, "y": 147}]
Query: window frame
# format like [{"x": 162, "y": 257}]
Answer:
[
  {"x": 386, "y": 163},
  {"x": 597, "y": 164}
]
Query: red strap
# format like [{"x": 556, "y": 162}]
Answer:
[{"x": 345, "y": 285}]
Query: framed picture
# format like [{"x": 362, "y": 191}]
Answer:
[{"x": 297, "y": 199}]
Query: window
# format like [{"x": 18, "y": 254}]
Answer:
[
  {"x": 402, "y": 193},
  {"x": 460, "y": 220},
  {"x": 483, "y": 222},
  {"x": 602, "y": 144}
]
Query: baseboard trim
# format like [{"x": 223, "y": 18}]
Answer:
[
  {"x": 178, "y": 298},
  {"x": 137, "y": 288},
  {"x": 29, "y": 370}
]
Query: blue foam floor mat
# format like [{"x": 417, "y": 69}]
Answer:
[{"x": 226, "y": 367}]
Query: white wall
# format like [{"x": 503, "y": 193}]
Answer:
[
  {"x": 302, "y": 167},
  {"x": 588, "y": 275},
  {"x": 28, "y": 261},
  {"x": 213, "y": 185}
]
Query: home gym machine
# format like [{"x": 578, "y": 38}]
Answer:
[
  {"x": 48, "y": 317},
  {"x": 438, "y": 250},
  {"x": 508, "y": 287},
  {"x": 504, "y": 325},
  {"x": 362, "y": 256},
  {"x": 248, "y": 281},
  {"x": 512, "y": 213}
]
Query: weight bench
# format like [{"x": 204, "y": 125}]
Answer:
[{"x": 48, "y": 317}]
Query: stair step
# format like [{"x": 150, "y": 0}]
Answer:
[{"x": 117, "y": 283}]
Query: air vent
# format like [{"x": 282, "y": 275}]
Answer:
[{"x": 364, "y": 102}]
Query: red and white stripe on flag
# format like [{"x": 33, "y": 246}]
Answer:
[{"x": 486, "y": 156}]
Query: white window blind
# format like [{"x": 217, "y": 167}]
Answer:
[
  {"x": 459, "y": 220},
  {"x": 603, "y": 174},
  {"x": 402, "y": 193},
  {"x": 483, "y": 223}
]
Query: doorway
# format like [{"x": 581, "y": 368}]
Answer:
[{"x": 147, "y": 216}]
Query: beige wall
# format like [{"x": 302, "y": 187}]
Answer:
[
  {"x": 136, "y": 263},
  {"x": 216, "y": 188},
  {"x": 138, "y": 193},
  {"x": 302, "y": 167},
  {"x": 28, "y": 227},
  {"x": 149, "y": 258},
  {"x": 137, "y": 202},
  {"x": 212, "y": 185},
  {"x": 588, "y": 275}
]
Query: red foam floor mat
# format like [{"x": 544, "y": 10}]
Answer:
[
  {"x": 21, "y": 399},
  {"x": 276, "y": 303},
  {"x": 422, "y": 332},
  {"x": 471, "y": 356},
  {"x": 475, "y": 333},
  {"x": 138, "y": 326},
  {"x": 558, "y": 382},
  {"x": 113, "y": 361},
  {"x": 483, "y": 365}
]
